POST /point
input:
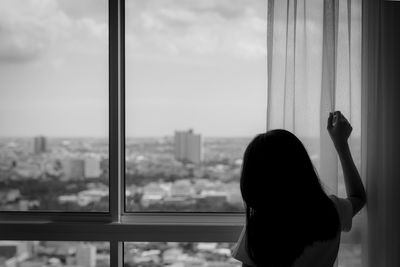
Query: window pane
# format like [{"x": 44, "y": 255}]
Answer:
[
  {"x": 179, "y": 254},
  {"x": 54, "y": 105},
  {"x": 351, "y": 243},
  {"x": 54, "y": 253},
  {"x": 195, "y": 96}
]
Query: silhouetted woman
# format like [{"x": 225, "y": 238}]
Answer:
[{"x": 290, "y": 220}]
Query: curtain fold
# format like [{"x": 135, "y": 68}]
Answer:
[
  {"x": 328, "y": 159},
  {"x": 313, "y": 68}
]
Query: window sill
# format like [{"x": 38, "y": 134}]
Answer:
[{"x": 136, "y": 227}]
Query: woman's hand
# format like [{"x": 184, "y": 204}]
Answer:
[{"x": 339, "y": 129}]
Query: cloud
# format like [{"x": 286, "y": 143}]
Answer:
[
  {"x": 192, "y": 27},
  {"x": 19, "y": 44},
  {"x": 30, "y": 28},
  {"x": 77, "y": 9},
  {"x": 21, "y": 37},
  {"x": 229, "y": 9}
]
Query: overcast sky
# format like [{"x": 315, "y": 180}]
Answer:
[
  {"x": 53, "y": 67},
  {"x": 197, "y": 64}
]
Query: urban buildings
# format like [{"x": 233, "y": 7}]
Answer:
[
  {"x": 86, "y": 255},
  {"x": 12, "y": 252},
  {"x": 92, "y": 167},
  {"x": 74, "y": 169},
  {"x": 188, "y": 147},
  {"x": 77, "y": 168},
  {"x": 39, "y": 144}
]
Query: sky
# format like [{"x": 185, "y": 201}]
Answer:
[
  {"x": 53, "y": 68},
  {"x": 189, "y": 64},
  {"x": 196, "y": 64}
]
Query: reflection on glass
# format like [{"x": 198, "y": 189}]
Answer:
[
  {"x": 54, "y": 105},
  {"x": 54, "y": 253},
  {"x": 179, "y": 254},
  {"x": 195, "y": 96}
]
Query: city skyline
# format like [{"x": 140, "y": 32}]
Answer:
[{"x": 168, "y": 135}]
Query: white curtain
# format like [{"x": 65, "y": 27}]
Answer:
[{"x": 313, "y": 68}]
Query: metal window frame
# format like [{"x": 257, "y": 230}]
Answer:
[
  {"x": 116, "y": 225},
  {"x": 114, "y": 157}
]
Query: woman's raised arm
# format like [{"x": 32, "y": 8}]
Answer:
[{"x": 340, "y": 129}]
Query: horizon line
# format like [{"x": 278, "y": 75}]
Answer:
[{"x": 140, "y": 137}]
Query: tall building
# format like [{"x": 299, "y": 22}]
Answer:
[
  {"x": 74, "y": 169},
  {"x": 92, "y": 168},
  {"x": 12, "y": 252},
  {"x": 86, "y": 255},
  {"x": 39, "y": 144},
  {"x": 188, "y": 147}
]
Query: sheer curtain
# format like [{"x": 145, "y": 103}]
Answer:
[{"x": 313, "y": 68}]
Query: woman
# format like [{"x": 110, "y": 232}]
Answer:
[{"x": 290, "y": 221}]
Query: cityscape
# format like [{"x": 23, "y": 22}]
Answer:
[
  {"x": 47, "y": 174},
  {"x": 162, "y": 174},
  {"x": 97, "y": 254},
  {"x": 54, "y": 253},
  {"x": 183, "y": 172}
]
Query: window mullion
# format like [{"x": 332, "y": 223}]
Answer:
[
  {"x": 121, "y": 176},
  {"x": 116, "y": 254},
  {"x": 114, "y": 106}
]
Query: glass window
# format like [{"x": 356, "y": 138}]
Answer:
[
  {"x": 54, "y": 253},
  {"x": 178, "y": 254},
  {"x": 54, "y": 105},
  {"x": 189, "y": 116}
]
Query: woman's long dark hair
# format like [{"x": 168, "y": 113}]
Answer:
[{"x": 286, "y": 207}]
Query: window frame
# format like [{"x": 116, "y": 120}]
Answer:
[
  {"x": 113, "y": 117},
  {"x": 117, "y": 225}
]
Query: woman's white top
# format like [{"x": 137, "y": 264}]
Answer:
[{"x": 319, "y": 254}]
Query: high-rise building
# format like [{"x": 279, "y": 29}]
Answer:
[
  {"x": 92, "y": 168},
  {"x": 39, "y": 144},
  {"x": 188, "y": 147},
  {"x": 73, "y": 169},
  {"x": 86, "y": 255},
  {"x": 13, "y": 251}
]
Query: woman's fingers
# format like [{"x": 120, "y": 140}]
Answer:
[
  {"x": 336, "y": 119},
  {"x": 330, "y": 121},
  {"x": 339, "y": 117}
]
